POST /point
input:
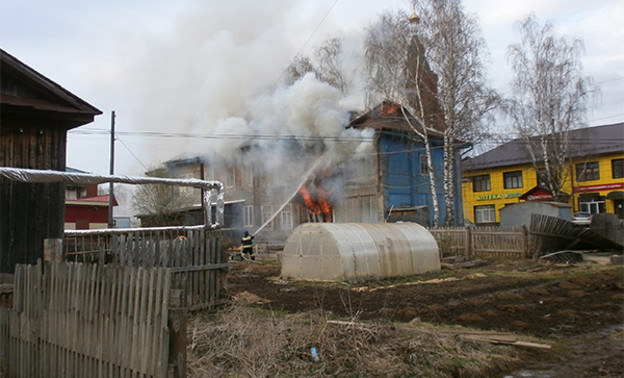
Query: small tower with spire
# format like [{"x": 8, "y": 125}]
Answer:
[{"x": 420, "y": 74}]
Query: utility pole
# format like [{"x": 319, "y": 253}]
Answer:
[{"x": 112, "y": 172}]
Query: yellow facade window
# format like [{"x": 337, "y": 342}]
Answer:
[
  {"x": 588, "y": 171},
  {"x": 481, "y": 183},
  {"x": 485, "y": 214},
  {"x": 617, "y": 168},
  {"x": 512, "y": 180}
]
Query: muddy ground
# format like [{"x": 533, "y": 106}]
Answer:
[{"x": 580, "y": 306}]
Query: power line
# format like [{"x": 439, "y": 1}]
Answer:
[
  {"x": 296, "y": 137},
  {"x": 132, "y": 153}
]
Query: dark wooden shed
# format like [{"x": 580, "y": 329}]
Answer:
[{"x": 35, "y": 114}]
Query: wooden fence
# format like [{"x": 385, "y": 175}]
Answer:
[
  {"x": 507, "y": 242},
  {"x": 195, "y": 257},
  {"x": 89, "y": 320}
]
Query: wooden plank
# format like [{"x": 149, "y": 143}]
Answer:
[
  {"x": 177, "y": 335},
  {"x": 200, "y": 268}
]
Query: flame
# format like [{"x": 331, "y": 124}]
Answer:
[
  {"x": 317, "y": 202},
  {"x": 389, "y": 109}
]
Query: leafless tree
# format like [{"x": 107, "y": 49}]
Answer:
[
  {"x": 300, "y": 66},
  {"x": 398, "y": 72},
  {"x": 326, "y": 66},
  {"x": 549, "y": 98},
  {"x": 455, "y": 50},
  {"x": 158, "y": 202}
]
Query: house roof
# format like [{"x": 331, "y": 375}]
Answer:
[
  {"x": 389, "y": 117},
  {"x": 589, "y": 141},
  {"x": 97, "y": 200},
  {"x": 25, "y": 90}
]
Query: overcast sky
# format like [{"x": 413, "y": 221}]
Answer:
[{"x": 199, "y": 66}]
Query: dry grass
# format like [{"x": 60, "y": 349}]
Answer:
[{"x": 243, "y": 341}]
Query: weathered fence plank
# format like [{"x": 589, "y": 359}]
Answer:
[
  {"x": 82, "y": 320},
  {"x": 195, "y": 256},
  {"x": 484, "y": 242}
]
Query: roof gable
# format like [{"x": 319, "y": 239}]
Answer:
[
  {"x": 23, "y": 89},
  {"x": 388, "y": 116}
]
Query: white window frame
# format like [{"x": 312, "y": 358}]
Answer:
[
  {"x": 230, "y": 177},
  {"x": 248, "y": 216},
  {"x": 485, "y": 214},
  {"x": 266, "y": 211},
  {"x": 592, "y": 206},
  {"x": 512, "y": 180},
  {"x": 286, "y": 217},
  {"x": 481, "y": 183}
]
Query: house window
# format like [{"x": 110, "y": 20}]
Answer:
[
  {"x": 248, "y": 215},
  {"x": 481, "y": 183},
  {"x": 485, "y": 214},
  {"x": 541, "y": 177},
  {"x": 230, "y": 178},
  {"x": 267, "y": 212},
  {"x": 286, "y": 217},
  {"x": 587, "y": 171},
  {"x": 512, "y": 179},
  {"x": 592, "y": 205},
  {"x": 71, "y": 194},
  {"x": 209, "y": 173},
  {"x": 424, "y": 165},
  {"x": 617, "y": 168}
]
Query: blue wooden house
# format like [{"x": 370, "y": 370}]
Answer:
[{"x": 392, "y": 183}]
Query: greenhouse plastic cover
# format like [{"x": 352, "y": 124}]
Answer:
[{"x": 351, "y": 251}]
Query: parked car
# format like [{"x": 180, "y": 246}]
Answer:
[{"x": 582, "y": 218}]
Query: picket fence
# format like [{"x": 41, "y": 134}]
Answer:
[
  {"x": 505, "y": 242},
  {"x": 88, "y": 320},
  {"x": 194, "y": 256}
]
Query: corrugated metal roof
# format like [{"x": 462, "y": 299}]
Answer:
[{"x": 583, "y": 142}]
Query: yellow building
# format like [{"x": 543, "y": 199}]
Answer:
[{"x": 594, "y": 182}]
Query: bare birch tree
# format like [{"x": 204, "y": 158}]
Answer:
[
  {"x": 455, "y": 49},
  {"x": 326, "y": 66},
  {"x": 549, "y": 98},
  {"x": 395, "y": 63}
]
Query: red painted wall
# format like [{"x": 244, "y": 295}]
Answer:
[{"x": 95, "y": 214}]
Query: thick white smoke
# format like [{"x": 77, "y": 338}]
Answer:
[
  {"x": 219, "y": 72},
  {"x": 219, "y": 76}
]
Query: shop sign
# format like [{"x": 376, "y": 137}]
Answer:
[
  {"x": 540, "y": 197},
  {"x": 494, "y": 197},
  {"x": 599, "y": 187}
]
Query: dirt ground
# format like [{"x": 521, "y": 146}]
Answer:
[{"x": 579, "y": 307}]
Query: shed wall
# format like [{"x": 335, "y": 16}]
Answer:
[{"x": 30, "y": 212}]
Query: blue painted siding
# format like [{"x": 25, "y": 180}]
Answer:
[{"x": 403, "y": 182}]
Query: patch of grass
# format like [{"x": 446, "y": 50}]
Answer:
[{"x": 241, "y": 341}]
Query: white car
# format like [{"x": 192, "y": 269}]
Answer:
[{"x": 582, "y": 218}]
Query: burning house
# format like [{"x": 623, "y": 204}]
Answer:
[
  {"x": 334, "y": 167},
  {"x": 385, "y": 181}
]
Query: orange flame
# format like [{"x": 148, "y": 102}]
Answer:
[
  {"x": 389, "y": 109},
  {"x": 316, "y": 200}
]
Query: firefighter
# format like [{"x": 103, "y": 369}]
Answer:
[{"x": 247, "y": 242}]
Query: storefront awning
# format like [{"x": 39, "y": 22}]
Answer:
[{"x": 616, "y": 194}]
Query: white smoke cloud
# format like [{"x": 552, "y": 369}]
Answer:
[{"x": 218, "y": 73}]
